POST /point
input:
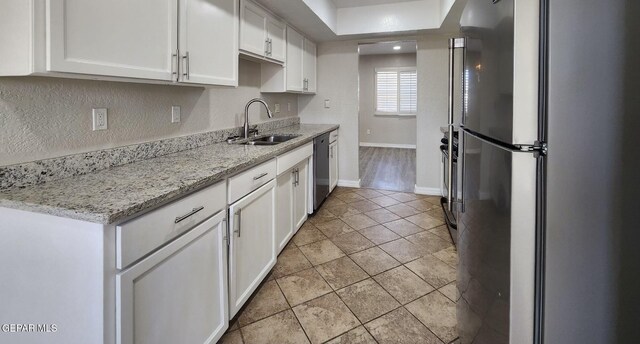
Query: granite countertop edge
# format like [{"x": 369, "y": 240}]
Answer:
[{"x": 12, "y": 198}]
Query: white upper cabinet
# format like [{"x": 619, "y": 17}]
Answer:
[
  {"x": 209, "y": 42},
  {"x": 295, "y": 53},
  {"x": 122, "y": 40},
  {"x": 253, "y": 35},
  {"x": 261, "y": 34},
  {"x": 113, "y": 38},
  {"x": 298, "y": 75},
  {"x": 309, "y": 66},
  {"x": 276, "y": 34}
]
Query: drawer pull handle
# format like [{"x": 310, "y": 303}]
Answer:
[
  {"x": 260, "y": 176},
  {"x": 191, "y": 213}
]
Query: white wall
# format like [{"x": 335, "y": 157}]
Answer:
[
  {"x": 445, "y": 6},
  {"x": 326, "y": 11},
  {"x": 394, "y": 130},
  {"x": 48, "y": 117},
  {"x": 338, "y": 82},
  {"x": 432, "y": 61},
  {"x": 395, "y": 17}
]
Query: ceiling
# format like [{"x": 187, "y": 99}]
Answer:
[
  {"x": 359, "y": 3},
  {"x": 330, "y": 20},
  {"x": 384, "y": 48}
]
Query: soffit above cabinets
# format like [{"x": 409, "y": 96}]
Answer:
[
  {"x": 327, "y": 20},
  {"x": 359, "y": 3}
]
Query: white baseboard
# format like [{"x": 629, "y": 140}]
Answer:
[
  {"x": 349, "y": 183},
  {"x": 387, "y": 145},
  {"x": 426, "y": 191}
]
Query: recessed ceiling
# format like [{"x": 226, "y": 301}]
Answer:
[
  {"x": 384, "y": 48},
  {"x": 326, "y": 20},
  {"x": 358, "y": 3}
]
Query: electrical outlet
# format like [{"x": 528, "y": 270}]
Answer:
[
  {"x": 99, "y": 119},
  {"x": 175, "y": 114},
  {"x": 277, "y": 108},
  {"x": 327, "y": 103},
  {"x": 368, "y": 131},
  {"x": 288, "y": 107}
]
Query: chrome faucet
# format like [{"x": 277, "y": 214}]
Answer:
[{"x": 246, "y": 114}]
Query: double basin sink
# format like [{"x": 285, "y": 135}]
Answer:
[{"x": 269, "y": 140}]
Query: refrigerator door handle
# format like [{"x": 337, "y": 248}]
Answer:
[
  {"x": 450, "y": 123},
  {"x": 454, "y": 43}
]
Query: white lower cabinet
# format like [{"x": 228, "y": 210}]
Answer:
[
  {"x": 333, "y": 165},
  {"x": 300, "y": 195},
  {"x": 252, "y": 246},
  {"x": 291, "y": 202},
  {"x": 179, "y": 293},
  {"x": 284, "y": 209}
]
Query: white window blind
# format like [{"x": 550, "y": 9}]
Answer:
[{"x": 396, "y": 91}]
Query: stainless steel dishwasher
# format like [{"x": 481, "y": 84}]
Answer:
[{"x": 320, "y": 170}]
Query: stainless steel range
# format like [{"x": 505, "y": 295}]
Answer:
[{"x": 449, "y": 184}]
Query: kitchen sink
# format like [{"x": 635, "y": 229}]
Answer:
[{"x": 270, "y": 140}]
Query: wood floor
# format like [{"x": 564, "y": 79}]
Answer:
[{"x": 388, "y": 168}]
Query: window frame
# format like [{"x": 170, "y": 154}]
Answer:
[{"x": 397, "y": 70}]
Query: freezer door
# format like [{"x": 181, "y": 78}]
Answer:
[
  {"x": 501, "y": 51},
  {"x": 496, "y": 244}
]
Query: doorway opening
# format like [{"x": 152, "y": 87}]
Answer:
[{"x": 388, "y": 100}]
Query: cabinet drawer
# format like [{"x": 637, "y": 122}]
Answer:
[
  {"x": 292, "y": 158},
  {"x": 247, "y": 181},
  {"x": 333, "y": 136},
  {"x": 137, "y": 237}
]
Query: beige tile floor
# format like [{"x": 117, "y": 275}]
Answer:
[{"x": 371, "y": 266}]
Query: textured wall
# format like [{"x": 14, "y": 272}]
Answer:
[
  {"x": 432, "y": 108},
  {"x": 338, "y": 82},
  {"x": 384, "y": 129},
  {"x": 48, "y": 117}
]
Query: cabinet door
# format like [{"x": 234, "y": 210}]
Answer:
[
  {"x": 120, "y": 38},
  {"x": 276, "y": 32},
  {"x": 179, "y": 293},
  {"x": 252, "y": 249},
  {"x": 333, "y": 165},
  {"x": 253, "y": 28},
  {"x": 209, "y": 42},
  {"x": 301, "y": 194},
  {"x": 309, "y": 66},
  {"x": 295, "y": 53},
  {"x": 284, "y": 208}
]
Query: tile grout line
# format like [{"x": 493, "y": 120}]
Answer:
[{"x": 369, "y": 276}]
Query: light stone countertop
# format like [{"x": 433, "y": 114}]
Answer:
[{"x": 112, "y": 195}]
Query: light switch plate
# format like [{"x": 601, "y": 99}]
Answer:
[
  {"x": 277, "y": 108},
  {"x": 327, "y": 103},
  {"x": 175, "y": 114},
  {"x": 99, "y": 119}
]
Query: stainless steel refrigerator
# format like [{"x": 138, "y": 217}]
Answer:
[
  {"x": 548, "y": 238},
  {"x": 499, "y": 203}
]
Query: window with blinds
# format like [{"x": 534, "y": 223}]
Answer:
[{"x": 396, "y": 91}]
